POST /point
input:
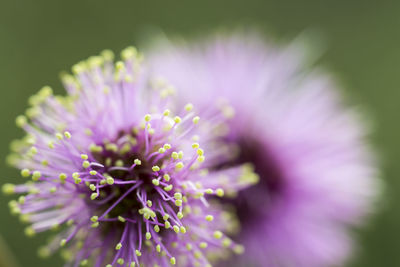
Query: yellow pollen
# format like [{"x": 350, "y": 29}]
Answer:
[
  {"x": 209, "y": 218},
  {"x": 166, "y": 112},
  {"x": 177, "y": 119},
  {"x": 155, "y": 168},
  {"x": 218, "y": 234},
  {"x": 147, "y": 117},
  {"x": 188, "y": 107},
  {"x": 196, "y": 119}
]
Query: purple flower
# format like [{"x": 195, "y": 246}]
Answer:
[
  {"x": 317, "y": 174},
  {"x": 119, "y": 170}
]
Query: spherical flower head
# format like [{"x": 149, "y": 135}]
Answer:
[
  {"x": 121, "y": 172},
  {"x": 317, "y": 173}
]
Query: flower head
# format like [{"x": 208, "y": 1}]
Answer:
[
  {"x": 121, "y": 172},
  {"x": 317, "y": 174}
]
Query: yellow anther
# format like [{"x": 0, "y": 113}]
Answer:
[
  {"x": 63, "y": 242},
  {"x": 156, "y": 182},
  {"x": 178, "y": 202},
  {"x": 29, "y": 231},
  {"x": 92, "y": 187},
  {"x": 172, "y": 261},
  {"x": 177, "y": 119},
  {"x": 219, "y": 192},
  {"x": 148, "y": 236},
  {"x": 174, "y": 155},
  {"x": 155, "y": 168},
  {"x": 94, "y": 218},
  {"x": 196, "y": 119},
  {"x": 176, "y": 228},
  {"x": 209, "y": 218},
  {"x": 51, "y": 144},
  {"x": 200, "y": 152},
  {"x": 179, "y": 215},
  {"x": 88, "y": 132},
  {"x": 79, "y": 68},
  {"x": 121, "y": 219},
  {"x": 167, "y": 224},
  {"x": 209, "y": 191},
  {"x": 62, "y": 177},
  {"x": 195, "y": 145},
  {"x": 218, "y": 234},
  {"x": 178, "y": 195},
  {"x": 137, "y": 162},
  {"x": 158, "y": 248},
  {"x": 201, "y": 159},
  {"x": 33, "y": 150},
  {"x": 107, "y": 55},
  {"x": 138, "y": 253},
  {"x": 226, "y": 242},
  {"x": 118, "y": 246},
  {"x": 21, "y": 200},
  {"x": 53, "y": 190},
  {"x": 179, "y": 166},
  {"x": 85, "y": 164},
  {"x": 167, "y": 146},
  {"x": 67, "y": 135},
  {"x": 180, "y": 154},
  {"x": 21, "y": 121},
  {"x": 93, "y": 196},
  {"x": 238, "y": 249},
  {"x": 182, "y": 229},
  {"x": 120, "y": 261},
  {"x": 93, "y": 172},
  {"x": 59, "y": 136},
  {"x": 149, "y": 203},
  {"x": 188, "y": 107},
  {"x": 166, "y": 217},
  {"x": 36, "y": 175},
  {"x": 167, "y": 177},
  {"x": 25, "y": 173},
  {"x": 119, "y": 65},
  {"x": 203, "y": 245},
  {"x": 147, "y": 117},
  {"x": 125, "y": 148},
  {"x": 168, "y": 188},
  {"x": 111, "y": 147},
  {"x": 156, "y": 228},
  {"x": 8, "y": 189},
  {"x": 119, "y": 163},
  {"x": 95, "y": 148},
  {"x": 110, "y": 180},
  {"x": 129, "y": 53},
  {"x": 161, "y": 150},
  {"x": 166, "y": 112},
  {"x": 84, "y": 156}
]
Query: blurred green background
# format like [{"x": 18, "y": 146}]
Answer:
[{"x": 38, "y": 39}]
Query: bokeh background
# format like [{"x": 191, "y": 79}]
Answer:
[{"x": 361, "y": 41}]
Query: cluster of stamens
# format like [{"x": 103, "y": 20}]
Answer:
[{"x": 143, "y": 189}]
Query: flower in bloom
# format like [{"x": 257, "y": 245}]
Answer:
[
  {"x": 318, "y": 177},
  {"x": 122, "y": 172}
]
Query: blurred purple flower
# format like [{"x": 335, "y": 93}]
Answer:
[
  {"x": 122, "y": 177},
  {"x": 318, "y": 177}
]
